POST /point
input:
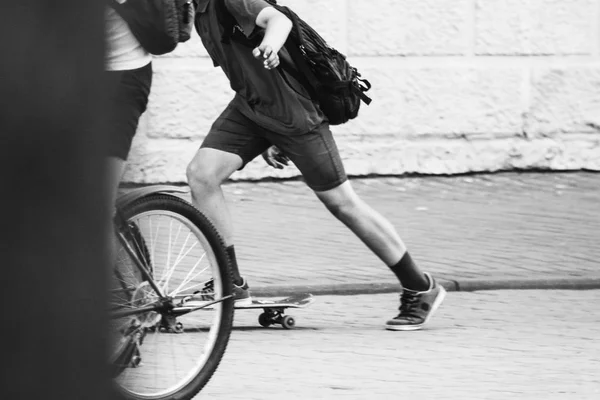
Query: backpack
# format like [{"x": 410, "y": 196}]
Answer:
[
  {"x": 322, "y": 70},
  {"x": 159, "y": 25}
]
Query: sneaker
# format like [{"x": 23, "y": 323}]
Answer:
[
  {"x": 207, "y": 293},
  {"x": 241, "y": 294},
  {"x": 416, "y": 308},
  {"x": 200, "y": 297}
]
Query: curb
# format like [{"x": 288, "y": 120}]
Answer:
[{"x": 461, "y": 285}]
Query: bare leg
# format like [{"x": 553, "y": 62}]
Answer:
[
  {"x": 366, "y": 223},
  {"x": 205, "y": 173},
  {"x": 374, "y": 230}
]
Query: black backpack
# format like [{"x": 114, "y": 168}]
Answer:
[
  {"x": 322, "y": 70},
  {"x": 159, "y": 25}
]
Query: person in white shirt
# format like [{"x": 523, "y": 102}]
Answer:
[{"x": 129, "y": 77}]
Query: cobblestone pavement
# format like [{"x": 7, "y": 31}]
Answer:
[
  {"x": 481, "y": 345},
  {"x": 509, "y": 226}
]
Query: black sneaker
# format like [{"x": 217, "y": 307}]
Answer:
[{"x": 416, "y": 308}]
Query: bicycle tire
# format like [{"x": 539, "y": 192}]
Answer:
[{"x": 179, "y": 207}]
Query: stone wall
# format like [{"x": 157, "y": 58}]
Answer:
[{"x": 458, "y": 86}]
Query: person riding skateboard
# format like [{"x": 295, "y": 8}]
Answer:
[{"x": 274, "y": 116}]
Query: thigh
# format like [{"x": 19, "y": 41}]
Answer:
[
  {"x": 129, "y": 92},
  {"x": 316, "y": 155},
  {"x": 233, "y": 133}
]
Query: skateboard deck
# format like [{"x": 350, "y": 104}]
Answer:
[{"x": 274, "y": 310}]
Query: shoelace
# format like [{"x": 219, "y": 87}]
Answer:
[
  {"x": 208, "y": 289},
  {"x": 408, "y": 302}
]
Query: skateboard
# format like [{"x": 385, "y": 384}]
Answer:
[{"x": 274, "y": 310}]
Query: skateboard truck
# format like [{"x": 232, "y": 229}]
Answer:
[{"x": 271, "y": 316}]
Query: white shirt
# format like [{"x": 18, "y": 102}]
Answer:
[{"x": 123, "y": 51}]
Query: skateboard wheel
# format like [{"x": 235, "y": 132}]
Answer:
[
  {"x": 135, "y": 361},
  {"x": 264, "y": 320},
  {"x": 288, "y": 322},
  {"x": 178, "y": 327}
]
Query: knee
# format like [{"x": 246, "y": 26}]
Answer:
[
  {"x": 201, "y": 175},
  {"x": 342, "y": 208}
]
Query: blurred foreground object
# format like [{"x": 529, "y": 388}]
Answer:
[{"x": 54, "y": 218}]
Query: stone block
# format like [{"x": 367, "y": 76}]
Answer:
[
  {"x": 452, "y": 156},
  {"x": 534, "y": 26},
  {"x": 409, "y": 27},
  {"x": 159, "y": 160},
  {"x": 164, "y": 160},
  {"x": 451, "y": 101},
  {"x": 564, "y": 100}
]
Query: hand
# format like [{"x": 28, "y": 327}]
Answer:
[
  {"x": 275, "y": 157},
  {"x": 266, "y": 53}
]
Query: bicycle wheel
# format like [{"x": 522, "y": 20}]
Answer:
[{"x": 166, "y": 339}]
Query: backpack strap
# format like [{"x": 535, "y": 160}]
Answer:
[
  {"x": 303, "y": 74},
  {"x": 362, "y": 86},
  {"x": 231, "y": 29},
  {"x": 226, "y": 20},
  {"x": 295, "y": 47}
]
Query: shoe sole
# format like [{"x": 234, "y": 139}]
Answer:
[
  {"x": 243, "y": 302},
  {"x": 438, "y": 301}
]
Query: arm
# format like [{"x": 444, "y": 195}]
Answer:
[{"x": 277, "y": 28}]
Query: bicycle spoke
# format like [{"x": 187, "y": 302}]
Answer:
[
  {"x": 199, "y": 284},
  {"x": 180, "y": 256},
  {"x": 174, "y": 266},
  {"x": 187, "y": 277},
  {"x": 155, "y": 239}
]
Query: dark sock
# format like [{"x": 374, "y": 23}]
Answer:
[
  {"x": 235, "y": 272},
  {"x": 409, "y": 274}
]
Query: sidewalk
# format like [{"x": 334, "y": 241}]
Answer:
[
  {"x": 509, "y": 230},
  {"x": 493, "y": 345}
]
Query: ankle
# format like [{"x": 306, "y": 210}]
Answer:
[
  {"x": 419, "y": 287},
  {"x": 237, "y": 279},
  {"x": 239, "y": 282},
  {"x": 409, "y": 275}
]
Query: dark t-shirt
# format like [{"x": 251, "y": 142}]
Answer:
[{"x": 262, "y": 95}]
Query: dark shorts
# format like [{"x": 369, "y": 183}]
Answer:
[
  {"x": 314, "y": 153},
  {"x": 128, "y": 98}
]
